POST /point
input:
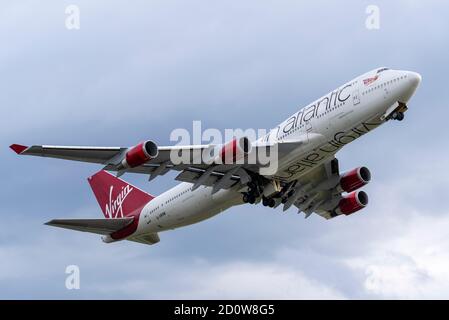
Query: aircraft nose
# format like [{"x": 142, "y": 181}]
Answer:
[
  {"x": 414, "y": 78},
  {"x": 411, "y": 83}
]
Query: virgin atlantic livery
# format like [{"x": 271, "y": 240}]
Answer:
[{"x": 306, "y": 174}]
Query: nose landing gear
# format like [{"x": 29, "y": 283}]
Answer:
[
  {"x": 396, "y": 115},
  {"x": 395, "y": 112}
]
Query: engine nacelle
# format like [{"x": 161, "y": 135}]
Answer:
[
  {"x": 139, "y": 154},
  {"x": 351, "y": 203},
  {"x": 234, "y": 150},
  {"x": 354, "y": 179}
]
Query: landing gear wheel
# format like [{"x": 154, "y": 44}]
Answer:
[
  {"x": 397, "y": 115},
  {"x": 271, "y": 203},
  {"x": 246, "y": 198},
  {"x": 394, "y": 115},
  {"x": 252, "y": 185},
  {"x": 265, "y": 202},
  {"x": 251, "y": 199}
]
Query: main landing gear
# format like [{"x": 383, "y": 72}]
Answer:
[
  {"x": 268, "y": 202},
  {"x": 249, "y": 198},
  {"x": 254, "y": 192}
]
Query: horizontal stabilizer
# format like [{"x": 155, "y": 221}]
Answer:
[{"x": 99, "y": 226}]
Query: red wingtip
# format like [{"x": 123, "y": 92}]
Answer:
[{"x": 18, "y": 148}]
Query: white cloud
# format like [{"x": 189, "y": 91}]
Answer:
[
  {"x": 239, "y": 280},
  {"x": 398, "y": 278},
  {"x": 412, "y": 262},
  {"x": 127, "y": 270},
  {"x": 246, "y": 280}
]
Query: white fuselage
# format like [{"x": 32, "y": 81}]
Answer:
[{"x": 327, "y": 124}]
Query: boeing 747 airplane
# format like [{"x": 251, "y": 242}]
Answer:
[{"x": 306, "y": 174}]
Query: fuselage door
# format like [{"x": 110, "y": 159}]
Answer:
[
  {"x": 356, "y": 97},
  {"x": 385, "y": 90},
  {"x": 308, "y": 126}
]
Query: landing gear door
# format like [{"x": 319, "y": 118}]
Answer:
[{"x": 356, "y": 97}]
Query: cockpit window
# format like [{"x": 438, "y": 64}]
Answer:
[{"x": 382, "y": 70}]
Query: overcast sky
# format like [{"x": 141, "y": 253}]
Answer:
[{"x": 138, "y": 70}]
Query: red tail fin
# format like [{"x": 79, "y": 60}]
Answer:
[{"x": 116, "y": 197}]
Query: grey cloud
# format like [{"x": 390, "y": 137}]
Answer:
[{"x": 138, "y": 71}]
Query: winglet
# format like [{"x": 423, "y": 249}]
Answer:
[{"x": 18, "y": 148}]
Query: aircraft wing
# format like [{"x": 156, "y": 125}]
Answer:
[
  {"x": 199, "y": 163},
  {"x": 321, "y": 191},
  {"x": 102, "y": 155},
  {"x": 196, "y": 170},
  {"x": 111, "y": 157},
  {"x": 315, "y": 192}
]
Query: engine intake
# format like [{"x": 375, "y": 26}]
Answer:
[
  {"x": 354, "y": 179},
  {"x": 351, "y": 203},
  {"x": 234, "y": 150},
  {"x": 139, "y": 154}
]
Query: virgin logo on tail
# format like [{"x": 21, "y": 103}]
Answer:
[{"x": 114, "y": 209}]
